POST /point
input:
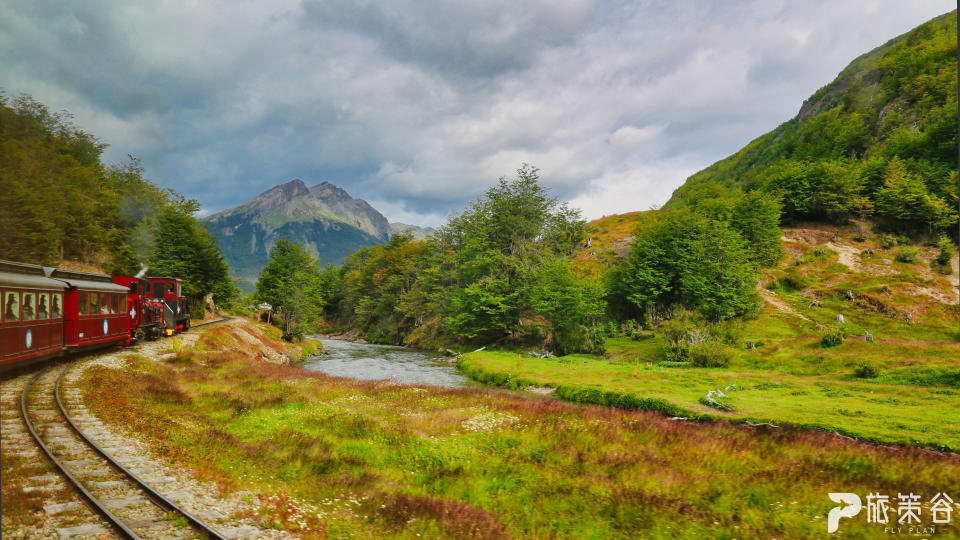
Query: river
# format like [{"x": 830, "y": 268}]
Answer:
[{"x": 365, "y": 361}]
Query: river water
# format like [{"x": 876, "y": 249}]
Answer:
[{"x": 377, "y": 362}]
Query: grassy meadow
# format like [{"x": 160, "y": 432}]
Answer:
[
  {"x": 902, "y": 388},
  {"x": 341, "y": 458}
]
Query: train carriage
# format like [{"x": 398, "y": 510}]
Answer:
[
  {"x": 95, "y": 309},
  {"x": 31, "y": 313}
]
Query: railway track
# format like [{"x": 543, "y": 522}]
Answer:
[{"x": 106, "y": 479}]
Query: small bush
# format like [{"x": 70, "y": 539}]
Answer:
[
  {"x": 866, "y": 371},
  {"x": 676, "y": 352},
  {"x": 887, "y": 241},
  {"x": 817, "y": 255},
  {"x": 793, "y": 282},
  {"x": 946, "y": 252},
  {"x": 710, "y": 354},
  {"x": 908, "y": 254},
  {"x": 833, "y": 337},
  {"x": 633, "y": 330}
]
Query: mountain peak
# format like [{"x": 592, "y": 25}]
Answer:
[{"x": 293, "y": 188}]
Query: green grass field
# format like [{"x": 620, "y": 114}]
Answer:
[{"x": 342, "y": 458}]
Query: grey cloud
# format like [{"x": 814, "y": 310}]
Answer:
[{"x": 422, "y": 105}]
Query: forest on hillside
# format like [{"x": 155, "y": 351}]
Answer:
[
  {"x": 878, "y": 142},
  {"x": 62, "y": 203}
]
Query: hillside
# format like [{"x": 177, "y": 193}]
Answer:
[
  {"x": 880, "y": 139},
  {"x": 324, "y": 218},
  {"x": 63, "y": 206}
]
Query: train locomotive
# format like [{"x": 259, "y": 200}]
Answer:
[{"x": 47, "y": 312}]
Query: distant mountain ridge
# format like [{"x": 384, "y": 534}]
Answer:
[{"x": 324, "y": 218}]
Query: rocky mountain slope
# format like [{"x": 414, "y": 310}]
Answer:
[{"x": 324, "y": 218}]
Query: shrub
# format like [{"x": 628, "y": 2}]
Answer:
[
  {"x": 833, "y": 337},
  {"x": 710, "y": 354},
  {"x": 793, "y": 282},
  {"x": 946, "y": 252},
  {"x": 887, "y": 241},
  {"x": 908, "y": 254},
  {"x": 866, "y": 371},
  {"x": 817, "y": 255},
  {"x": 633, "y": 330}
]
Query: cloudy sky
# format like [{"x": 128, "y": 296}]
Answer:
[{"x": 418, "y": 106}]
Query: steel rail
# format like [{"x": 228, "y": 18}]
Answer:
[
  {"x": 114, "y": 521},
  {"x": 154, "y": 495}
]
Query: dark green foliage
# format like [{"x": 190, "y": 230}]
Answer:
[
  {"x": 710, "y": 354},
  {"x": 182, "y": 248},
  {"x": 887, "y": 241},
  {"x": 946, "y": 252},
  {"x": 62, "y": 203},
  {"x": 686, "y": 258},
  {"x": 907, "y": 254},
  {"x": 880, "y": 140},
  {"x": 833, "y": 337},
  {"x": 572, "y": 304},
  {"x": 866, "y": 371},
  {"x": 292, "y": 284},
  {"x": 497, "y": 271}
]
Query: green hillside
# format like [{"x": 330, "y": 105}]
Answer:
[
  {"x": 880, "y": 140},
  {"x": 63, "y": 206}
]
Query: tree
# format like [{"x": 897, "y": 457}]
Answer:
[
  {"x": 292, "y": 284},
  {"x": 573, "y": 306},
  {"x": 184, "y": 249},
  {"x": 485, "y": 253},
  {"x": 687, "y": 258}
]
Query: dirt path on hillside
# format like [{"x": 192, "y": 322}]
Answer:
[
  {"x": 848, "y": 256},
  {"x": 779, "y": 304}
]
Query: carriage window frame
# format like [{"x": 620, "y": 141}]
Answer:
[
  {"x": 59, "y": 313},
  {"x": 33, "y": 306},
  {"x": 115, "y": 303},
  {"x": 6, "y": 295},
  {"x": 123, "y": 303},
  {"x": 83, "y": 302},
  {"x": 94, "y": 304},
  {"x": 104, "y": 304},
  {"x": 171, "y": 289},
  {"x": 45, "y": 297}
]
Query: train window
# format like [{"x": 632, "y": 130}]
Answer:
[
  {"x": 123, "y": 303},
  {"x": 11, "y": 309},
  {"x": 105, "y": 304},
  {"x": 171, "y": 289},
  {"x": 28, "y": 311},
  {"x": 84, "y": 300},
  {"x": 158, "y": 290},
  {"x": 134, "y": 287},
  {"x": 56, "y": 300},
  {"x": 94, "y": 304},
  {"x": 115, "y": 303},
  {"x": 43, "y": 306}
]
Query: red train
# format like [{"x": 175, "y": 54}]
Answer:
[{"x": 45, "y": 312}]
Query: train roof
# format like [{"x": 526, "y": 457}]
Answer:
[
  {"x": 88, "y": 281},
  {"x": 28, "y": 276}
]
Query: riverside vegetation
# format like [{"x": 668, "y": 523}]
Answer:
[{"x": 344, "y": 458}]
